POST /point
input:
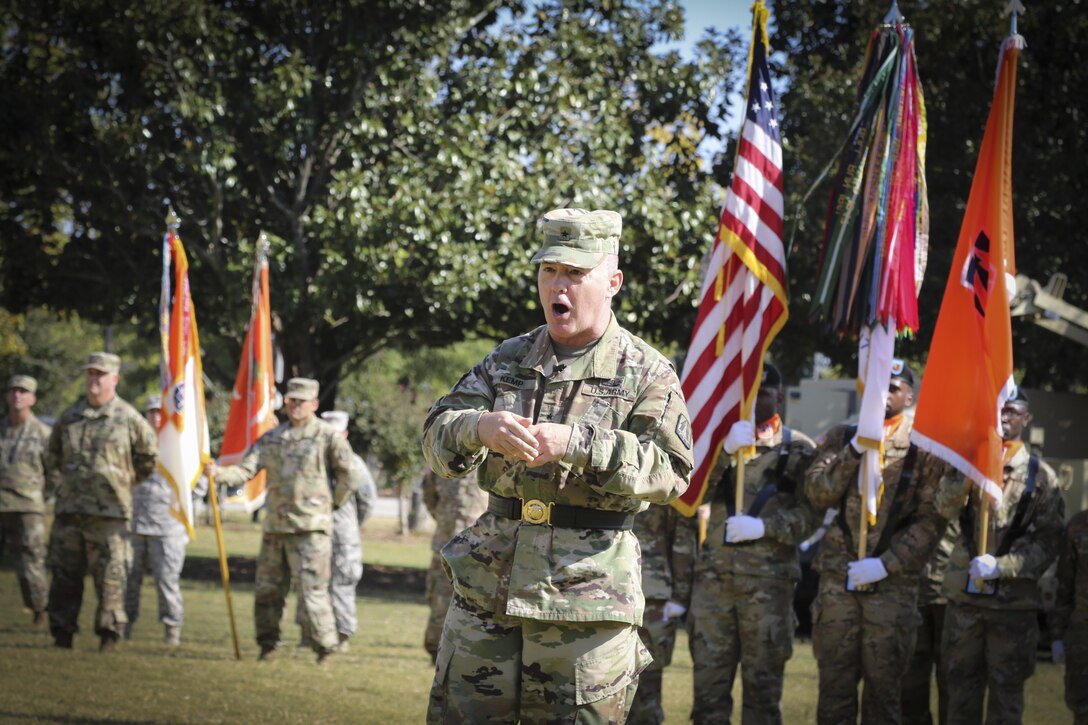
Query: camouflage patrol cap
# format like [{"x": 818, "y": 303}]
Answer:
[
  {"x": 578, "y": 237},
  {"x": 107, "y": 362},
  {"x": 154, "y": 402},
  {"x": 338, "y": 419},
  {"x": 23, "y": 382},
  {"x": 301, "y": 389}
]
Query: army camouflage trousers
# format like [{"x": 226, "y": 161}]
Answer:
[
  {"x": 1076, "y": 671},
  {"x": 866, "y": 637},
  {"x": 165, "y": 556},
  {"x": 499, "y": 669},
  {"x": 24, "y": 533},
  {"x": 926, "y": 660},
  {"x": 988, "y": 649},
  {"x": 659, "y": 637},
  {"x": 439, "y": 594},
  {"x": 306, "y": 557},
  {"x": 746, "y": 621},
  {"x": 80, "y": 543}
]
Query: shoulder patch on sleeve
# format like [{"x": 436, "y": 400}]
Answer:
[{"x": 683, "y": 430}]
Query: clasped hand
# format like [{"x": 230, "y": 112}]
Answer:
[{"x": 518, "y": 437}]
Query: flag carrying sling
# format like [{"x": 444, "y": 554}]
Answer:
[{"x": 743, "y": 302}]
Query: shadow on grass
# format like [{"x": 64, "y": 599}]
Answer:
[
  {"x": 37, "y": 717},
  {"x": 376, "y": 577}
]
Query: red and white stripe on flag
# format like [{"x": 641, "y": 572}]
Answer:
[{"x": 743, "y": 302}]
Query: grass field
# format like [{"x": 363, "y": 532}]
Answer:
[{"x": 384, "y": 678}]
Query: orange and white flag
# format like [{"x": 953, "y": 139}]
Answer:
[
  {"x": 968, "y": 375},
  {"x": 251, "y": 402},
  {"x": 183, "y": 433}
]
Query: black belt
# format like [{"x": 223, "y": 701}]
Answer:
[{"x": 535, "y": 511}]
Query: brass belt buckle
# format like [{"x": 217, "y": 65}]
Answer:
[{"x": 535, "y": 511}]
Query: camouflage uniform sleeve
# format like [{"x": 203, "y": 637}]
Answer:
[
  {"x": 245, "y": 469},
  {"x": 52, "y": 463},
  {"x": 911, "y": 547},
  {"x": 340, "y": 463},
  {"x": 651, "y": 460},
  {"x": 685, "y": 540},
  {"x": 835, "y": 466},
  {"x": 1066, "y": 577},
  {"x": 791, "y": 525},
  {"x": 1033, "y": 552},
  {"x": 367, "y": 495},
  {"x": 429, "y": 487},
  {"x": 145, "y": 447},
  {"x": 451, "y": 441}
]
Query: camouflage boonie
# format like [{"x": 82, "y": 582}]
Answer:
[
  {"x": 23, "y": 465},
  {"x": 624, "y": 402},
  {"x": 78, "y": 543},
  {"x": 1070, "y": 620},
  {"x": 98, "y": 455},
  {"x": 24, "y": 533},
  {"x": 1029, "y": 557},
  {"x": 496, "y": 668},
  {"x": 298, "y": 463},
  {"x": 982, "y": 646},
  {"x": 454, "y": 505},
  {"x": 305, "y": 557}
]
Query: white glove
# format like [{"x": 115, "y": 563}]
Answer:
[
  {"x": 858, "y": 448},
  {"x": 741, "y": 434},
  {"x": 984, "y": 567},
  {"x": 743, "y": 528},
  {"x": 866, "y": 571},
  {"x": 1057, "y": 652},
  {"x": 673, "y": 610}
]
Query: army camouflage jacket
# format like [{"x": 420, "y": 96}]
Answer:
[
  {"x": 151, "y": 504},
  {"x": 931, "y": 590},
  {"x": 668, "y": 541},
  {"x": 1029, "y": 555},
  {"x": 788, "y": 517},
  {"x": 347, "y": 519},
  {"x": 22, "y": 465},
  {"x": 454, "y": 505},
  {"x": 98, "y": 455},
  {"x": 298, "y": 463},
  {"x": 631, "y": 444},
  {"x": 1071, "y": 605},
  {"x": 918, "y": 525}
]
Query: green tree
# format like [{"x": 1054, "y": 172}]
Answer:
[
  {"x": 397, "y": 154},
  {"x": 957, "y": 45}
]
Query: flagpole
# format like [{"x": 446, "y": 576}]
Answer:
[
  {"x": 983, "y": 533},
  {"x": 738, "y": 484},
  {"x": 224, "y": 571}
]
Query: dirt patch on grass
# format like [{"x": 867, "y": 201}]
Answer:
[{"x": 243, "y": 569}]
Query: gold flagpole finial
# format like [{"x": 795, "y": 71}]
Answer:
[{"x": 172, "y": 221}]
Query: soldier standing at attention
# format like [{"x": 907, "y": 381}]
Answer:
[
  {"x": 867, "y": 632},
  {"x": 668, "y": 541},
  {"x": 454, "y": 505},
  {"x": 23, "y": 441},
  {"x": 990, "y": 636},
  {"x": 742, "y": 605},
  {"x": 99, "y": 449},
  {"x": 1070, "y": 622},
  {"x": 299, "y": 457},
  {"x": 159, "y": 539},
  {"x": 574, "y": 426}
]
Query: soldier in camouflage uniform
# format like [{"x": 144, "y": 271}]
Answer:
[
  {"x": 668, "y": 541},
  {"x": 574, "y": 426},
  {"x": 99, "y": 449},
  {"x": 298, "y": 457},
  {"x": 989, "y": 640},
  {"x": 1070, "y": 622},
  {"x": 742, "y": 606},
  {"x": 347, "y": 545},
  {"x": 158, "y": 541},
  {"x": 454, "y": 505},
  {"x": 870, "y": 634},
  {"x": 23, "y": 441}
]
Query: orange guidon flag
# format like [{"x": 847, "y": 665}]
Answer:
[
  {"x": 251, "y": 401},
  {"x": 968, "y": 375}
]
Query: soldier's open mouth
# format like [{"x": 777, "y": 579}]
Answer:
[{"x": 560, "y": 310}]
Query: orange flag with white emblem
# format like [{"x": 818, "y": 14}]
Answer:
[{"x": 968, "y": 375}]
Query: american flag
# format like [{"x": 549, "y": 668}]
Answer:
[{"x": 743, "y": 302}]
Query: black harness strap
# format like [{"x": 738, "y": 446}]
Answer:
[
  {"x": 772, "y": 478},
  {"x": 1017, "y": 527},
  {"x": 892, "y": 525}
]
